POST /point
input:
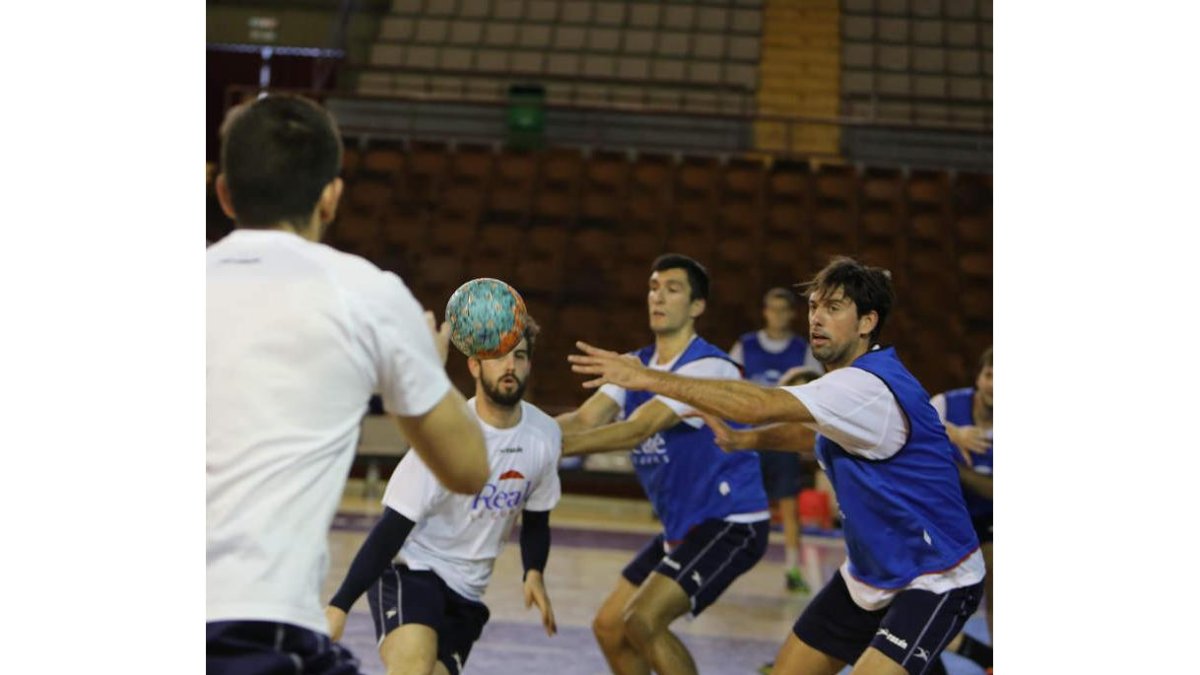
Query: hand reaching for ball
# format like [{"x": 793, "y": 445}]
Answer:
[{"x": 441, "y": 336}]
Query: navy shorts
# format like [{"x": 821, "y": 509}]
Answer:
[
  {"x": 709, "y": 558},
  {"x": 267, "y": 648},
  {"x": 912, "y": 631},
  {"x": 404, "y": 596},
  {"x": 781, "y": 472},
  {"x": 983, "y": 527}
]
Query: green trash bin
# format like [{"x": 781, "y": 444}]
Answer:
[{"x": 526, "y": 115}]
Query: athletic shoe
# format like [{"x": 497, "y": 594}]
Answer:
[{"x": 795, "y": 582}]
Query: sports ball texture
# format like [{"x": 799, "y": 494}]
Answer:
[{"x": 487, "y": 318}]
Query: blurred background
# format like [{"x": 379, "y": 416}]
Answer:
[{"x": 563, "y": 145}]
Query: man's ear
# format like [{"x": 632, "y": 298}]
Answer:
[
  {"x": 473, "y": 366},
  {"x": 867, "y": 322},
  {"x": 697, "y": 308},
  {"x": 328, "y": 203},
  {"x": 224, "y": 197}
]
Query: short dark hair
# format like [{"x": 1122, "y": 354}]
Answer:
[
  {"x": 277, "y": 155},
  {"x": 780, "y": 292},
  {"x": 985, "y": 361},
  {"x": 531, "y": 332},
  {"x": 869, "y": 287},
  {"x": 696, "y": 274}
]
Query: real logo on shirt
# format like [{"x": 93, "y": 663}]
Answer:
[
  {"x": 505, "y": 451},
  {"x": 653, "y": 450},
  {"x": 495, "y": 499}
]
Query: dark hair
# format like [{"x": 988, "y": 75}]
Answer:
[
  {"x": 869, "y": 287},
  {"x": 780, "y": 292},
  {"x": 985, "y": 361},
  {"x": 531, "y": 332},
  {"x": 277, "y": 155},
  {"x": 696, "y": 274}
]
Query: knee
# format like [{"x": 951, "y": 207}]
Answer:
[
  {"x": 639, "y": 627},
  {"x": 607, "y": 629}
]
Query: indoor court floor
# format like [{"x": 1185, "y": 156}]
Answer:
[{"x": 593, "y": 539}]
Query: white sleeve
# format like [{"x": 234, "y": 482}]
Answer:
[
  {"x": 939, "y": 404},
  {"x": 412, "y": 378},
  {"x": 711, "y": 368},
  {"x": 548, "y": 488},
  {"x": 735, "y": 353},
  {"x": 856, "y": 410},
  {"x": 617, "y": 394},
  {"x": 412, "y": 490}
]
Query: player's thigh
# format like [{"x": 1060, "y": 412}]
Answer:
[
  {"x": 875, "y": 662},
  {"x": 610, "y": 617},
  {"x": 918, "y": 625},
  {"x": 659, "y": 601},
  {"x": 410, "y": 649},
  {"x": 796, "y": 657}
]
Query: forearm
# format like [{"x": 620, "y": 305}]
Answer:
[
  {"x": 376, "y": 553},
  {"x": 786, "y": 436},
  {"x": 735, "y": 400},
  {"x": 976, "y": 482},
  {"x": 608, "y": 438},
  {"x": 535, "y": 540},
  {"x": 571, "y": 422}
]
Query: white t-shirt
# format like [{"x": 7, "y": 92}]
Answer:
[
  {"x": 459, "y": 536},
  {"x": 774, "y": 346},
  {"x": 856, "y": 410},
  {"x": 299, "y": 336}
]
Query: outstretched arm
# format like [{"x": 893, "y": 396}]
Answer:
[
  {"x": 598, "y": 409},
  {"x": 735, "y": 400},
  {"x": 650, "y": 418},
  {"x": 786, "y": 436},
  {"x": 372, "y": 559}
]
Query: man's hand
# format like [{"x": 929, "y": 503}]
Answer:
[
  {"x": 613, "y": 368},
  {"x": 969, "y": 438},
  {"x": 729, "y": 440},
  {"x": 441, "y": 337},
  {"x": 535, "y": 593},
  {"x": 337, "y": 622}
]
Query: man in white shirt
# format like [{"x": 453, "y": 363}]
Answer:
[
  {"x": 429, "y": 559},
  {"x": 712, "y": 504},
  {"x": 298, "y": 338},
  {"x": 914, "y": 572}
]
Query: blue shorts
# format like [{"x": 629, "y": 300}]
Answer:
[
  {"x": 404, "y": 596},
  {"x": 267, "y": 647},
  {"x": 781, "y": 472},
  {"x": 706, "y": 562},
  {"x": 912, "y": 631}
]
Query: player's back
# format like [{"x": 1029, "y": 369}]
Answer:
[{"x": 290, "y": 368}]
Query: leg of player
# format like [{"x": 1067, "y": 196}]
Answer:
[
  {"x": 798, "y": 658},
  {"x": 609, "y": 628},
  {"x": 411, "y": 649},
  {"x": 791, "y": 543},
  {"x": 657, "y": 603},
  {"x": 875, "y": 662},
  {"x": 987, "y": 587}
]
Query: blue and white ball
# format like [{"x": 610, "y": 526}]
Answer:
[{"x": 487, "y": 318}]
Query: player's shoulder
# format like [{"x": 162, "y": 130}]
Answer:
[{"x": 539, "y": 422}]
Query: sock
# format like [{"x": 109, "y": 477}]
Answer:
[
  {"x": 790, "y": 558},
  {"x": 976, "y": 651}
]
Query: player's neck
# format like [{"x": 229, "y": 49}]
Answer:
[
  {"x": 669, "y": 345},
  {"x": 495, "y": 415},
  {"x": 777, "y": 333}
]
